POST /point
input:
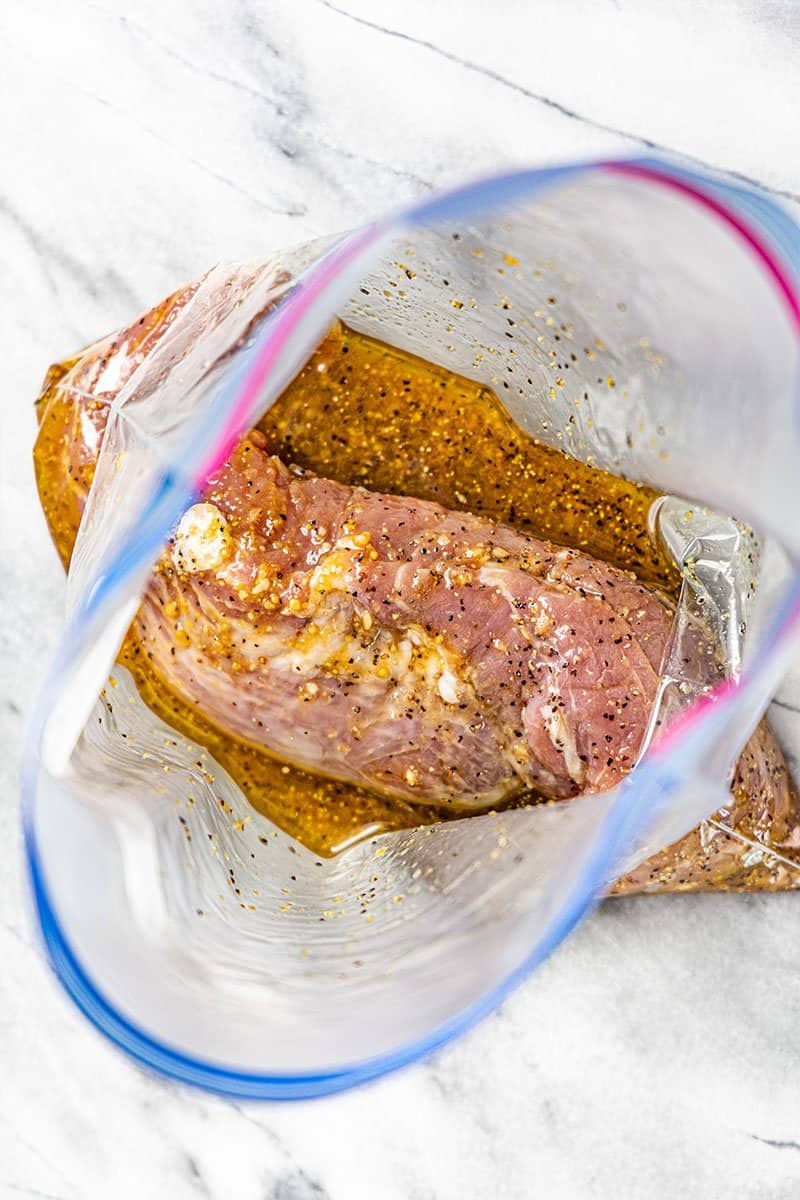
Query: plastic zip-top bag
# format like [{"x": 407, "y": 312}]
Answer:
[{"x": 640, "y": 318}]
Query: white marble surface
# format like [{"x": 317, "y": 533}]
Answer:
[{"x": 657, "y": 1053}]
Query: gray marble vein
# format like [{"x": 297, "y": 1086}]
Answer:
[
  {"x": 548, "y": 101},
  {"x": 655, "y": 1054}
]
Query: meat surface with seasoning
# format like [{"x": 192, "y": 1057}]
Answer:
[{"x": 386, "y": 641}]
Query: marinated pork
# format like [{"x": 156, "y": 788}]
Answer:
[{"x": 388, "y": 642}]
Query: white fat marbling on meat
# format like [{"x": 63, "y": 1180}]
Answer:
[
  {"x": 202, "y": 541},
  {"x": 563, "y": 738}
]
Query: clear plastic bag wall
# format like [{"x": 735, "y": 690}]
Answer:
[{"x": 639, "y": 317}]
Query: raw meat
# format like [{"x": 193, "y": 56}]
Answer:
[{"x": 388, "y": 642}]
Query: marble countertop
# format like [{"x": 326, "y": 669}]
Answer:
[{"x": 655, "y": 1054}]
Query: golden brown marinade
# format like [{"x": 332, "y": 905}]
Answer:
[{"x": 363, "y": 413}]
